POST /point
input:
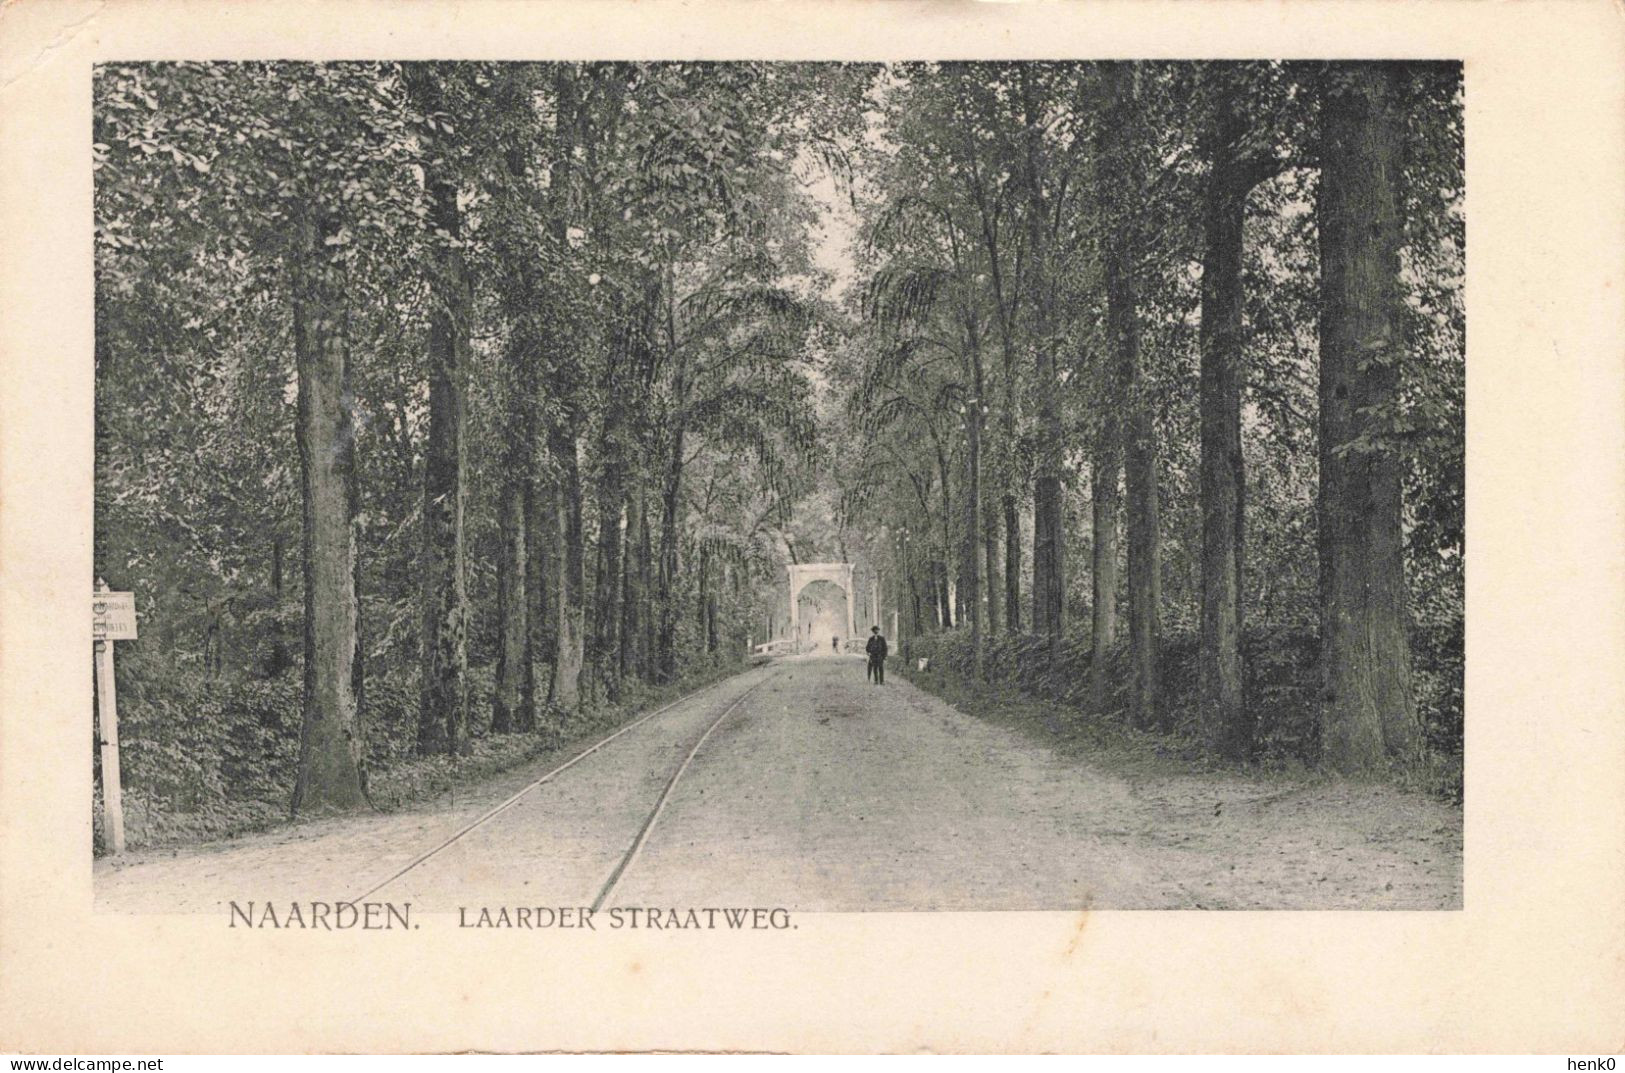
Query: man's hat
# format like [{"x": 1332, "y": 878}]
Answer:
[{"x": 875, "y": 628}]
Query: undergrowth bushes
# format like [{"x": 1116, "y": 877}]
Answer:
[
  {"x": 1279, "y": 688},
  {"x": 210, "y": 756}
]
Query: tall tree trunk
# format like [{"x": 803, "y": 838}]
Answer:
[
  {"x": 1012, "y": 564},
  {"x": 568, "y": 595},
  {"x": 634, "y": 587},
  {"x": 560, "y": 492},
  {"x": 607, "y": 594},
  {"x": 670, "y": 531},
  {"x": 507, "y": 703},
  {"x": 1144, "y": 564},
  {"x": 702, "y": 596},
  {"x": 1047, "y": 554},
  {"x": 915, "y": 624},
  {"x": 1222, "y": 715},
  {"x": 1104, "y": 480},
  {"x": 970, "y": 580},
  {"x": 990, "y": 552},
  {"x": 713, "y": 632},
  {"x": 707, "y": 602},
  {"x": 646, "y": 581},
  {"x": 671, "y": 514},
  {"x": 1367, "y": 710},
  {"x": 329, "y": 776},
  {"x": 443, "y": 695},
  {"x": 952, "y": 609},
  {"x": 1010, "y": 477},
  {"x": 358, "y": 666},
  {"x": 1139, "y": 435},
  {"x": 513, "y": 705},
  {"x": 541, "y": 605},
  {"x": 1049, "y": 523}
]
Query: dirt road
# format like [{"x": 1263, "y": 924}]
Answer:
[{"x": 819, "y": 792}]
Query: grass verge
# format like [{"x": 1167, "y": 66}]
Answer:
[
  {"x": 1078, "y": 733},
  {"x": 407, "y": 782}
]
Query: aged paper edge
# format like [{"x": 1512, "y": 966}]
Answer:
[{"x": 1534, "y": 962}]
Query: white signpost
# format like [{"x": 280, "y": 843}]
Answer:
[{"x": 112, "y": 618}]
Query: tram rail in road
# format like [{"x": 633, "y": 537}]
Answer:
[
  {"x": 629, "y": 857},
  {"x": 660, "y": 806}
]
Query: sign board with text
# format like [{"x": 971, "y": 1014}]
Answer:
[{"x": 112, "y": 616}]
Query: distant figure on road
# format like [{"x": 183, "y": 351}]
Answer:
[
  {"x": 835, "y": 645},
  {"x": 877, "y": 656}
]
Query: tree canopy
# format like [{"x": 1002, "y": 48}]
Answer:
[{"x": 446, "y": 404}]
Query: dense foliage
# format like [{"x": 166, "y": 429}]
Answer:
[
  {"x": 441, "y": 406},
  {"x": 1043, "y": 254},
  {"x": 575, "y": 300}
]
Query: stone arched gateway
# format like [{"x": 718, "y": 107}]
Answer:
[{"x": 804, "y": 574}]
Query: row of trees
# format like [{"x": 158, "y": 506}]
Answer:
[
  {"x": 439, "y": 399},
  {"x": 1202, "y": 321},
  {"x": 506, "y": 363}
]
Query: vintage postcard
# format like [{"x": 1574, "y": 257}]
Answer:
[{"x": 788, "y": 527}]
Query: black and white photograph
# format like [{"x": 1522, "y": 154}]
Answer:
[
  {"x": 630, "y": 527},
  {"x": 693, "y": 488}
]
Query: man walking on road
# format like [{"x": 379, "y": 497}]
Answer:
[{"x": 877, "y": 656}]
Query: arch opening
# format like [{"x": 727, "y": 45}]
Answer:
[
  {"x": 839, "y": 626},
  {"x": 822, "y": 614}
]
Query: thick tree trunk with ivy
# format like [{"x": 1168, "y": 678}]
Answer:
[
  {"x": 1223, "y": 718},
  {"x": 1367, "y": 711},
  {"x": 443, "y": 696},
  {"x": 330, "y": 746}
]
